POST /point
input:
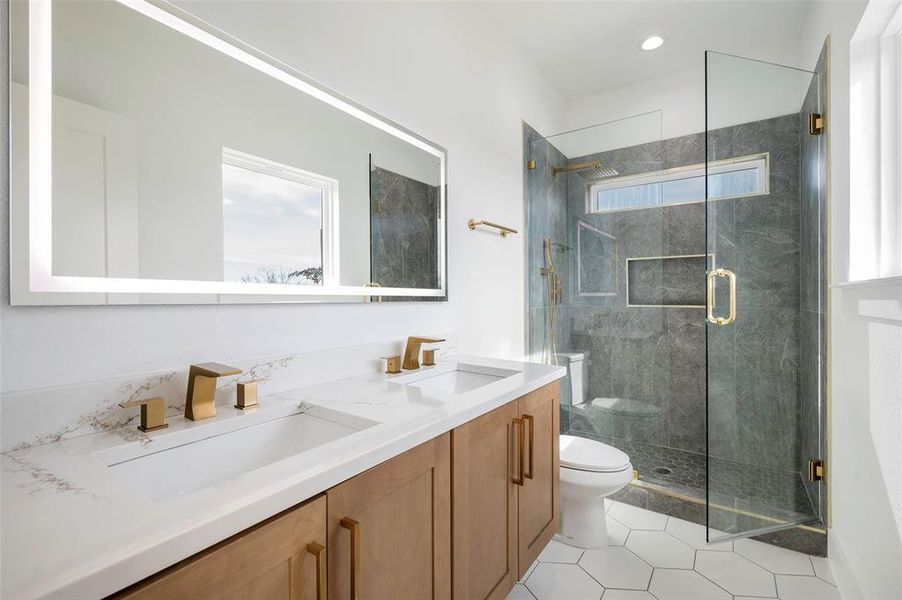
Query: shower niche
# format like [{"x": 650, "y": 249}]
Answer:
[{"x": 623, "y": 224}]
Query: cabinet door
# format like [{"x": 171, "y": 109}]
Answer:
[
  {"x": 270, "y": 561},
  {"x": 538, "y": 497},
  {"x": 484, "y": 540},
  {"x": 390, "y": 528}
]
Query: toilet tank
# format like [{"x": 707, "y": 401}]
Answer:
[{"x": 573, "y": 386}]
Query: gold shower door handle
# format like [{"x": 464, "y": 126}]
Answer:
[
  {"x": 319, "y": 551},
  {"x": 532, "y": 442},
  {"x": 711, "y": 281},
  {"x": 354, "y": 527}
]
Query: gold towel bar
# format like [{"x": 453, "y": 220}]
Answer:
[{"x": 473, "y": 224}]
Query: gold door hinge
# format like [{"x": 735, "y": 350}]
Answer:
[
  {"x": 531, "y": 164},
  {"x": 815, "y": 470},
  {"x": 815, "y": 123}
]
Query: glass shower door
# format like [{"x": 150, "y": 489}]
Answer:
[{"x": 765, "y": 161}]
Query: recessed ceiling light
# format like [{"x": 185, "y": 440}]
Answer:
[{"x": 653, "y": 42}]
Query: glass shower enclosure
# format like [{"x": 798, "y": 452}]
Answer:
[
  {"x": 765, "y": 297},
  {"x": 680, "y": 278}
]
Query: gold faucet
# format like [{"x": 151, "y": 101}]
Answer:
[
  {"x": 200, "y": 402},
  {"x": 412, "y": 351}
]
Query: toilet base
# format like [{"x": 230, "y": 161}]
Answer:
[{"x": 583, "y": 523}]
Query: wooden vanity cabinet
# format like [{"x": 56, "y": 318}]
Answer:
[
  {"x": 387, "y": 533},
  {"x": 484, "y": 498},
  {"x": 505, "y": 511},
  {"x": 389, "y": 528},
  {"x": 274, "y": 560},
  {"x": 539, "y": 496}
]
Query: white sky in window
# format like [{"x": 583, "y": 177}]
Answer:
[{"x": 269, "y": 223}]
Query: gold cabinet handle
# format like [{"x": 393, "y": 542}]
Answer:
[
  {"x": 319, "y": 551},
  {"x": 518, "y": 423},
  {"x": 731, "y": 278},
  {"x": 354, "y": 527},
  {"x": 532, "y": 442}
]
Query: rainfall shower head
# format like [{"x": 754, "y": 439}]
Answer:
[{"x": 587, "y": 170}]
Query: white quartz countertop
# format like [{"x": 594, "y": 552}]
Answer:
[{"x": 72, "y": 528}]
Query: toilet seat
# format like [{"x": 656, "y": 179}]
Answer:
[{"x": 588, "y": 455}]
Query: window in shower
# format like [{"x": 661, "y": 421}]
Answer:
[{"x": 732, "y": 178}]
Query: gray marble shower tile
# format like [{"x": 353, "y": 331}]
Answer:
[
  {"x": 722, "y": 391},
  {"x": 535, "y": 332},
  {"x": 546, "y": 215},
  {"x": 683, "y": 229},
  {"x": 767, "y": 247},
  {"x": 404, "y": 231},
  {"x": 682, "y": 151},
  {"x": 767, "y": 348},
  {"x": 687, "y": 383},
  {"x": 597, "y": 262},
  {"x": 672, "y": 281}
]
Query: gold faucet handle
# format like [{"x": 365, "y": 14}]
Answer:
[
  {"x": 429, "y": 358},
  {"x": 153, "y": 413},
  {"x": 212, "y": 369},
  {"x": 247, "y": 393},
  {"x": 392, "y": 364}
]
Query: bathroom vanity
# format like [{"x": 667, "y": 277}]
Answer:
[{"x": 428, "y": 484}]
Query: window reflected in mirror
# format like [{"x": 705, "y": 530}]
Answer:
[{"x": 272, "y": 224}]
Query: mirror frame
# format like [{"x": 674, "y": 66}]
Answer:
[{"x": 42, "y": 287}]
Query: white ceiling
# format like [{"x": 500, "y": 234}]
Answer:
[{"x": 586, "y": 48}]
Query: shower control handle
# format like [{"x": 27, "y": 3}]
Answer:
[{"x": 711, "y": 283}]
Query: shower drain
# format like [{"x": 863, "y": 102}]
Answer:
[{"x": 662, "y": 471}]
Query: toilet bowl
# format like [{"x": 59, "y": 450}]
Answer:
[{"x": 590, "y": 471}]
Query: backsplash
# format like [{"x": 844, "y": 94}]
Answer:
[{"x": 42, "y": 416}]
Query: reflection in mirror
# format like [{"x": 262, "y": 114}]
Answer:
[
  {"x": 404, "y": 229},
  {"x": 290, "y": 206},
  {"x": 180, "y": 157}
]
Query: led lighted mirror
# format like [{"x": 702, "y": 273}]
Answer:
[{"x": 155, "y": 159}]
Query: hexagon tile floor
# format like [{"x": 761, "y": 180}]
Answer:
[{"x": 655, "y": 557}]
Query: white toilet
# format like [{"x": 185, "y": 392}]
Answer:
[{"x": 590, "y": 471}]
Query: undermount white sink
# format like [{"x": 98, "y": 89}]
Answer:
[
  {"x": 197, "y": 458},
  {"x": 460, "y": 380}
]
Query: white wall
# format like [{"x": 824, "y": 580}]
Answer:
[
  {"x": 674, "y": 105},
  {"x": 433, "y": 68},
  {"x": 671, "y": 106},
  {"x": 865, "y": 460}
]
